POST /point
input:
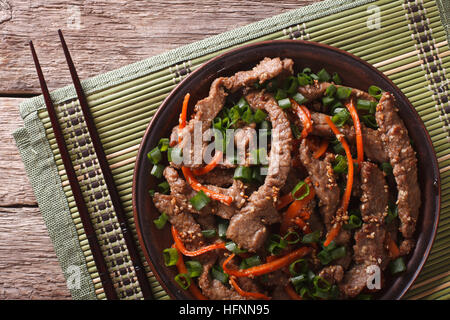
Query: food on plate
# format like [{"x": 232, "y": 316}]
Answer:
[{"x": 286, "y": 185}]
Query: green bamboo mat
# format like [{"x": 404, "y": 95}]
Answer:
[{"x": 405, "y": 39}]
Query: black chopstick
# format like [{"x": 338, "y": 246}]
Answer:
[
  {"x": 107, "y": 174},
  {"x": 99, "y": 259}
]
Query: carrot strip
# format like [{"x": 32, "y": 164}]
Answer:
[
  {"x": 266, "y": 267},
  {"x": 284, "y": 201},
  {"x": 394, "y": 251},
  {"x": 322, "y": 148},
  {"x": 180, "y": 245},
  {"x": 197, "y": 186},
  {"x": 214, "y": 162},
  {"x": 348, "y": 189},
  {"x": 243, "y": 293},
  {"x": 291, "y": 292},
  {"x": 302, "y": 225},
  {"x": 183, "y": 116},
  {"x": 357, "y": 124},
  {"x": 295, "y": 209},
  {"x": 305, "y": 116},
  {"x": 182, "y": 269}
]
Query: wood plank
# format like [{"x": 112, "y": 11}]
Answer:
[
  {"x": 15, "y": 188},
  {"x": 104, "y": 35},
  {"x": 29, "y": 268}
]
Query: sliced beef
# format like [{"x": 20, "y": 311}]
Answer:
[
  {"x": 403, "y": 161},
  {"x": 333, "y": 274},
  {"x": 369, "y": 246},
  {"x": 265, "y": 70},
  {"x": 374, "y": 198},
  {"x": 248, "y": 227},
  {"x": 192, "y": 135},
  {"x": 355, "y": 281},
  {"x": 187, "y": 227},
  {"x": 324, "y": 182},
  {"x": 218, "y": 177}
]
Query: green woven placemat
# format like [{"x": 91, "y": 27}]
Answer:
[{"x": 405, "y": 39}]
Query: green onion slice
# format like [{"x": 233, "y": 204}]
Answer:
[
  {"x": 375, "y": 92},
  {"x": 210, "y": 233},
  {"x": 194, "y": 268},
  {"x": 331, "y": 91},
  {"x": 183, "y": 280},
  {"x": 170, "y": 256},
  {"x": 300, "y": 195},
  {"x": 299, "y": 98},
  {"x": 155, "y": 155},
  {"x": 288, "y": 237},
  {"x": 343, "y": 93},
  {"x": 164, "y": 187},
  {"x": 336, "y": 78},
  {"x": 311, "y": 237},
  {"x": 298, "y": 267},
  {"x": 353, "y": 222},
  {"x": 397, "y": 266},
  {"x": 284, "y": 103},
  {"x": 200, "y": 200},
  {"x": 259, "y": 116},
  {"x": 281, "y": 94},
  {"x": 323, "y": 75},
  {"x": 163, "y": 144},
  {"x": 340, "y": 164},
  {"x": 218, "y": 274},
  {"x": 160, "y": 222},
  {"x": 243, "y": 173},
  {"x": 233, "y": 247},
  {"x": 250, "y": 262}
]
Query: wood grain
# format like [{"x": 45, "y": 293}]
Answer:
[
  {"x": 110, "y": 34},
  {"x": 104, "y": 35}
]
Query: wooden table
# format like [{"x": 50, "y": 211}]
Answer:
[{"x": 102, "y": 36}]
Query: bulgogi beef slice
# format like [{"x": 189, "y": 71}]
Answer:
[
  {"x": 265, "y": 70},
  {"x": 355, "y": 281},
  {"x": 187, "y": 227},
  {"x": 324, "y": 182},
  {"x": 247, "y": 228},
  {"x": 204, "y": 112},
  {"x": 403, "y": 161},
  {"x": 374, "y": 198},
  {"x": 333, "y": 274},
  {"x": 369, "y": 246}
]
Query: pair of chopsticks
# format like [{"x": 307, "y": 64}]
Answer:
[{"x": 99, "y": 259}]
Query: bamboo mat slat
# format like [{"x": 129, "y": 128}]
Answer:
[{"x": 410, "y": 47}]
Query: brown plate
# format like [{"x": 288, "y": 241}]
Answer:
[{"x": 354, "y": 73}]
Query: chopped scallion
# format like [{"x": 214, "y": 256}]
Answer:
[
  {"x": 170, "y": 256},
  {"x": 300, "y": 191},
  {"x": 194, "y": 268},
  {"x": 183, "y": 280},
  {"x": 323, "y": 75},
  {"x": 343, "y": 93},
  {"x": 200, "y": 200},
  {"x": 284, "y": 103},
  {"x": 160, "y": 222},
  {"x": 397, "y": 266},
  {"x": 154, "y": 155}
]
